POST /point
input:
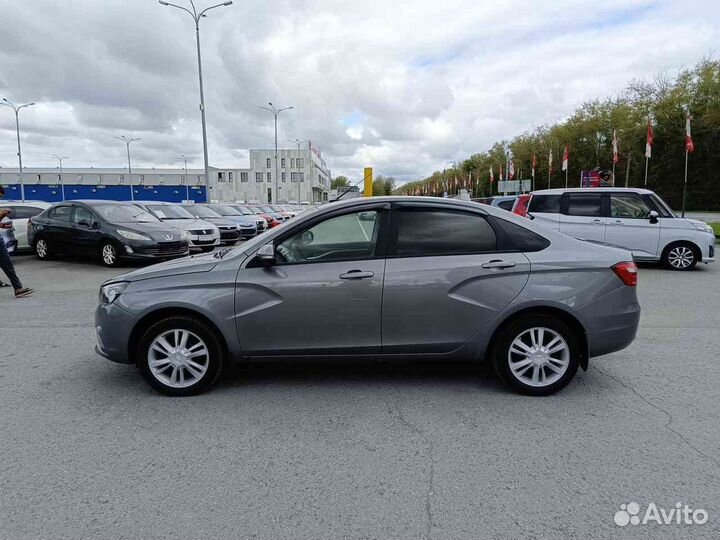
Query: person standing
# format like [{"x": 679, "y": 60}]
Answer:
[{"x": 5, "y": 262}]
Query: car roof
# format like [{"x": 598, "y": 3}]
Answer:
[
  {"x": 5, "y": 202},
  {"x": 560, "y": 191}
]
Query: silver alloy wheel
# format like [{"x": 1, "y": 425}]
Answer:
[
  {"x": 539, "y": 357},
  {"x": 41, "y": 248},
  {"x": 109, "y": 255},
  {"x": 178, "y": 358},
  {"x": 680, "y": 257}
]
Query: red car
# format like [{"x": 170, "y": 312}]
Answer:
[
  {"x": 271, "y": 220},
  {"x": 521, "y": 205}
]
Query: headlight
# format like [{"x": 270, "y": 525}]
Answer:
[
  {"x": 703, "y": 227},
  {"x": 184, "y": 235},
  {"x": 134, "y": 236},
  {"x": 108, "y": 293}
]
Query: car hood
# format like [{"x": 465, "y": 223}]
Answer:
[
  {"x": 160, "y": 232},
  {"x": 220, "y": 222},
  {"x": 242, "y": 220},
  {"x": 188, "y": 224},
  {"x": 176, "y": 267}
]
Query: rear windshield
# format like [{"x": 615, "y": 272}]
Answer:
[{"x": 545, "y": 204}]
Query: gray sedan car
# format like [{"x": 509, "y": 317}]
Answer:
[{"x": 391, "y": 277}]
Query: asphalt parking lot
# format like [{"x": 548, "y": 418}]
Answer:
[{"x": 353, "y": 451}]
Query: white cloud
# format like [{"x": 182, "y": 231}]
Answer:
[{"x": 422, "y": 82}]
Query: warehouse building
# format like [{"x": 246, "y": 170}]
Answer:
[{"x": 303, "y": 176}]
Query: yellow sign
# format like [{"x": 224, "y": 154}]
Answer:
[{"x": 368, "y": 181}]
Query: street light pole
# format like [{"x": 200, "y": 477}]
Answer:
[
  {"x": 127, "y": 141},
  {"x": 15, "y": 108},
  {"x": 275, "y": 112},
  {"x": 196, "y": 17},
  {"x": 187, "y": 188},
  {"x": 298, "y": 142},
  {"x": 62, "y": 180}
]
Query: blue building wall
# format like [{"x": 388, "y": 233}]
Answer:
[{"x": 53, "y": 193}]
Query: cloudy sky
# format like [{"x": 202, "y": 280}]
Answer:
[{"x": 404, "y": 86}]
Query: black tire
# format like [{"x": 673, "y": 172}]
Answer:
[
  {"x": 212, "y": 362},
  {"x": 207, "y": 249},
  {"x": 680, "y": 256},
  {"x": 109, "y": 254},
  {"x": 42, "y": 249},
  {"x": 501, "y": 355}
]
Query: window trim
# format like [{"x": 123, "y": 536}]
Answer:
[{"x": 423, "y": 207}]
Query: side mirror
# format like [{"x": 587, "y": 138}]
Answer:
[
  {"x": 653, "y": 215},
  {"x": 266, "y": 254},
  {"x": 95, "y": 225},
  {"x": 85, "y": 223}
]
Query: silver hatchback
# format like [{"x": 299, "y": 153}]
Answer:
[{"x": 391, "y": 277}]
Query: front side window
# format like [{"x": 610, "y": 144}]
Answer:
[
  {"x": 628, "y": 206},
  {"x": 346, "y": 237},
  {"x": 426, "y": 232},
  {"x": 82, "y": 213},
  {"x": 662, "y": 208},
  {"x": 584, "y": 205}
]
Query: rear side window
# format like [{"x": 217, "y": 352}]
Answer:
[
  {"x": 430, "y": 232},
  {"x": 583, "y": 205},
  {"x": 26, "y": 212},
  {"x": 61, "y": 213},
  {"x": 545, "y": 204},
  {"x": 514, "y": 237},
  {"x": 506, "y": 205}
]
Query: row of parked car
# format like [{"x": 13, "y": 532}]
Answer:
[
  {"x": 141, "y": 230},
  {"x": 637, "y": 220}
]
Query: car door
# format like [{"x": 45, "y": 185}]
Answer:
[
  {"x": 630, "y": 226},
  {"x": 445, "y": 278},
  {"x": 323, "y": 295},
  {"x": 582, "y": 216},
  {"x": 84, "y": 239},
  {"x": 21, "y": 216},
  {"x": 58, "y": 231}
]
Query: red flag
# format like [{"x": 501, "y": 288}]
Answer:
[
  {"x": 689, "y": 145},
  {"x": 566, "y": 158},
  {"x": 511, "y": 170},
  {"x": 534, "y": 163},
  {"x": 492, "y": 177},
  {"x": 501, "y": 177}
]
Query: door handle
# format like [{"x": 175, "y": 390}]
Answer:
[
  {"x": 597, "y": 221},
  {"x": 357, "y": 274},
  {"x": 498, "y": 264},
  {"x": 618, "y": 222}
]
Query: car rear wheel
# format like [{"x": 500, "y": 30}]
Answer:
[
  {"x": 680, "y": 256},
  {"x": 109, "y": 254},
  {"x": 42, "y": 249},
  {"x": 180, "y": 356},
  {"x": 536, "y": 355}
]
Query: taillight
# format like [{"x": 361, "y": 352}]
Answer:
[{"x": 627, "y": 272}]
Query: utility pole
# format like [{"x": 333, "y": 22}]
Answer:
[
  {"x": 275, "y": 112},
  {"x": 16, "y": 108},
  {"x": 62, "y": 180},
  {"x": 127, "y": 141},
  {"x": 187, "y": 188},
  {"x": 196, "y": 17}
]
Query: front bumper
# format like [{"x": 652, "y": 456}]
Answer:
[
  {"x": 157, "y": 251},
  {"x": 113, "y": 326},
  {"x": 198, "y": 242}
]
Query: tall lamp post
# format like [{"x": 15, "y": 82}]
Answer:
[
  {"x": 184, "y": 159},
  {"x": 298, "y": 142},
  {"x": 275, "y": 112},
  {"x": 127, "y": 141},
  {"x": 62, "y": 180},
  {"x": 16, "y": 108},
  {"x": 196, "y": 17}
]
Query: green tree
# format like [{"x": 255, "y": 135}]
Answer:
[{"x": 339, "y": 181}]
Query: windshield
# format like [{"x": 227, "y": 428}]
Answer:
[
  {"x": 125, "y": 213},
  {"x": 169, "y": 211},
  {"x": 224, "y": 210},
  {"x": 201, "y": 211},
  {"x": 266, "y": 209},
  {"x": 245, "y": 211}
]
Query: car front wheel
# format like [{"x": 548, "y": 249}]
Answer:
[
  {"x": 680, "y": 256},
  {"x": 536, "y": 355},
  {"x": 109, "y": 254},
  {"x": 180, "y": 356}
]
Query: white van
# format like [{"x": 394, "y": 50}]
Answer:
[{"x": 634, "y": 219}]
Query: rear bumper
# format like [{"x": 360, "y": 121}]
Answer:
[{"x": 611, "y": 322}]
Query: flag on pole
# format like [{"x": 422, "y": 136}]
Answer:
[
  {"x": 500, "y": 176},
  {"x": 534, "y": 164},
  {"x": 511, "y": 170},
  {"x": 689, "y": 145},
  {"x": 649, "y": 142},
  {"x": 566, "y": 158},
  {"x": 550, "y": 162},
  {"x": 492, "y": 176},
  {"x": 615, "y": 147}
]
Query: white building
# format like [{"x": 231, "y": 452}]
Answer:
[{"x": 303, "y": 177}]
